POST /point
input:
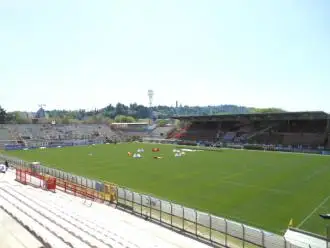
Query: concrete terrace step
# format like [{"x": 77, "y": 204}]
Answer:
[
  {"x": 59, "y": 208},
  {"x": 35, "y": 223},
  {"x": 69, "y": 230},
  {"x": 65, "y": 221},
  {"x": 15, "y": 235}
]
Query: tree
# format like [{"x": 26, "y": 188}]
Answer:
[
  {"x": 142, "y": 112},
  {"x": 121, "y": 109},
  {"x": 135, "y": 111},
  {"x": 109, "y": 111},
  {"x": 124, "y": 119},
  {"x": 10, "y": 118},
  {"x": 162, "y": 123},
  {"x": 65, "y": 120},
  {"x": 21, "y": 118},
  {"x": 99, "y": 119},
  {"x": 3, "y": 116},
  {"x": 268, "y": 110}
]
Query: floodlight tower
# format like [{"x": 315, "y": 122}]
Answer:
[
  {"x": 151, "y": 97},
  {"x": 40, "y": 114}
]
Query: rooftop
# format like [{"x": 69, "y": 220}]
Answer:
[{"x": 313, "y": 115}]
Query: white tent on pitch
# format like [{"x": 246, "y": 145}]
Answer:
[{"x": 137, "y": 155}]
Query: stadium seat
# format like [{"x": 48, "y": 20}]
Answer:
[{"x": 65, "y": 220}]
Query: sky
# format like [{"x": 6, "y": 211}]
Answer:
[{"x": 80, "y": 54}]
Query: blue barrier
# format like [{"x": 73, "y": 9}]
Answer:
[
  {"x": 99, "y": 187},
  {"x": 63, "y": 144},
  {"x": 14, "y": 147}
]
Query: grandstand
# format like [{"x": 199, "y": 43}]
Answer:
[
  {"x": 305, "y": 129},
  {"x": 32, "y": 134},
  {"x": 141, "y": 130},
  {"x": 45, "y": 134},
  {"x": 6, "y": 137},
  {"x": 84, "y": 224},
  {"x": 161, "y": 131},
  {"x": 131, "y": 129}
]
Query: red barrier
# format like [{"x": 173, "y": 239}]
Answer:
[
  {"x": 79, "y": 190},
  {"x": 51, "y": 183},
  {"x": 35, "y": 179},
  {"x": 21, "y": 176}
]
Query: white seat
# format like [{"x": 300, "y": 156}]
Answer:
[{"x": 83, "y": 225}]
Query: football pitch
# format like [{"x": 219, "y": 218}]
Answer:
[{"x": 261, "y": 189}]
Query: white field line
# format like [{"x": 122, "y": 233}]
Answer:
[
  {"x": 314, "y": 210},
  {"x": 246, "y": 185},
  {"x": 231, "y": 175}
]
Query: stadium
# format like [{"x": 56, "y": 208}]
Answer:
[{"x": 245, "y": 180}]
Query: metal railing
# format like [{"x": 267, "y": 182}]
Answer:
[{"x": 205, "y": 227}]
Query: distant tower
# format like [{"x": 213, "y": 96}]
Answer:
[
  {"x": 40, "y": 114},
  {"x": 41, "y": 111},
  {"x": 151, "y": 97},
  {"x": 176, "y": 111},
  {"x": 41, "y": 105}
]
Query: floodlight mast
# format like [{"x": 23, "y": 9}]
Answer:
[{"x": 151, "y": 98}]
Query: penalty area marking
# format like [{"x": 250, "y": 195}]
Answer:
[{"x": 313, "y": 212}]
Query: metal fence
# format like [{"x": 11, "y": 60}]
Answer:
[{"x": 202, "y": 226}]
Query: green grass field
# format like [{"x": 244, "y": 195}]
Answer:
[{"x": 262, "y": 189}]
